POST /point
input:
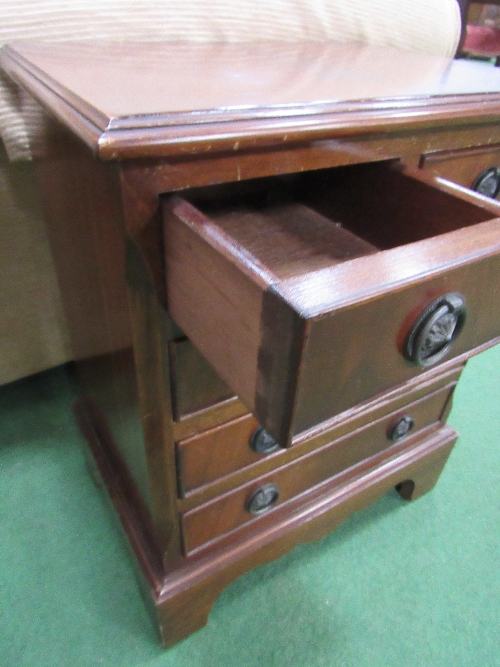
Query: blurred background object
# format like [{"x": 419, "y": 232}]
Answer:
[{"x": 482, "y": 35}]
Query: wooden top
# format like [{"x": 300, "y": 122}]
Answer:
[{"x": 131, "y": 100}]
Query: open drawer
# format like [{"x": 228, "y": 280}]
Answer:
[{"x": 311, "y": 293}]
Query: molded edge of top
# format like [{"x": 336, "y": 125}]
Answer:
[{"x": 212, "y": 131}]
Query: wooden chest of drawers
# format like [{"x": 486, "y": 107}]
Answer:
[{"x": 270, "y": 293}]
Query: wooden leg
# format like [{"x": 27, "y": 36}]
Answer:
[
  {"x": 185, "y": 613},
  {"x": 424, "y": 479}
]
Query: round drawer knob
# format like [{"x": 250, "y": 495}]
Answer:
[
  {"x": 435, "y": 329},
  {"x": 488, "y": 182},
  {"x": 401, "y": 428},
  {"x": 263, "y": 499},
  {"x": 263, "y": 442}
]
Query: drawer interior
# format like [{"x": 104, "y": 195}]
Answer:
[
  {"x": 310, "y": 221},
  {"x": 305, "y": 292}
]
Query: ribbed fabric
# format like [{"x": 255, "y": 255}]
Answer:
[
  {"x": 32, "y": 332},
  {"x": 432, "y": 26}
]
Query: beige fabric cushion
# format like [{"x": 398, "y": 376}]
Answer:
[{"x": 32, "y": 331}]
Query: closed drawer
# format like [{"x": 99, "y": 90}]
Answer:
[
  {"x": 225, "y": 513},
  {"x": 209, "y": 459},
  {"x": 477, "y": 168},
  {"x": 207, "y": 456},
  {"x": 312, "y": 294}
]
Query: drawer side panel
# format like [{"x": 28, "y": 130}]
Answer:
[{"x": 215, "y": 303}]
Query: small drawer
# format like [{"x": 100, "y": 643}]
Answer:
[
  {"x": 476, "y": 168},
  {"x": 311, "y": 294},
  {"x": 217, "y": 452},
  {"x": 206, "y": 457},
  {"x": 225, "y": 513}
]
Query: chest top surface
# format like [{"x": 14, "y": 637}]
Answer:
[{"x": 136, "y": 99}]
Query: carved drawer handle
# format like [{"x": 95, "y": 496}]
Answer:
[
  {"x": 401, "y": 428},
  {"x": 263, "y": 442},
  {"x": 487, "y": 183},
  {"x": 263, "y": 499},
  {"x": 435, "y": 329}
]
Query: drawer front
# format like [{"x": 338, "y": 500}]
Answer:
[
  {"x": 372, "y": 338},
  {"x": 474, "y": 167},
  {"x": 332, "y": 291},
  {"x": 207, "y": 457},
  {"x": 215, "y": 453},
  {"x": 220, "y": 516},
  {"x": 195, "y": 384}
]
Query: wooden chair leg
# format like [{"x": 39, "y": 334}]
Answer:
[{"x": 425, "y": 478}]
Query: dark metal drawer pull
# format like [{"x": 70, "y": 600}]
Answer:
[
  {"x": 263, "y": 442},
  {"x": 263, "y": 499},
  {"x": 435, "y": 329},
  {"x": 401, "y": 428},
  {"x": 487, "y": 183}
]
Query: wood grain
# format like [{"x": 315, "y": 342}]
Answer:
[
  {"x": 247, "y": 100},
  {"x": 308, "y": 317},
  {"x": 461, "y": 166},
  {"x": 300, "y": 297},
  {"x": 195, "y": 385},
  {"x": 217, "y": 460},
  {"x": 182, "y": 600},
  {"x": 227, "y": 512}
]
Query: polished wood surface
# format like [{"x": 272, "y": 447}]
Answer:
[
  {"x": 183, "y": 599},
  {"x": 195, "y": 385},
  {"x": 127, "y": 100},
  {"x": 209, "y": 417},
  {"x": 359, "y": 416},
  {"x": 229, "y": 511},
  {"x": 300, "y": 297},
  {"x": 463, "y": 166},
  {"x": 139, "y": 81},
  {"x": 214, "y": 453},
  {"x": 165, "y": 435},
  {"x": 215, "y": 461}
]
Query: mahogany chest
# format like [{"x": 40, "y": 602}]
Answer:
[{"x": 271, "y": 291}]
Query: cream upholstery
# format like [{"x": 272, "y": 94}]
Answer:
[{"x": 32, "y": 332}]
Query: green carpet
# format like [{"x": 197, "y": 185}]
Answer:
[{"x": 397, "y": 585}]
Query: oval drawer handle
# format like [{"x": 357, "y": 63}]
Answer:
[
  {"x": 487, "y": 183},
  {"x": 263, "y": 442},
  {"x": 435, "y": 329},
  {"x": 401, "y": 428},
  {"x": 263, "y": 499}
]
